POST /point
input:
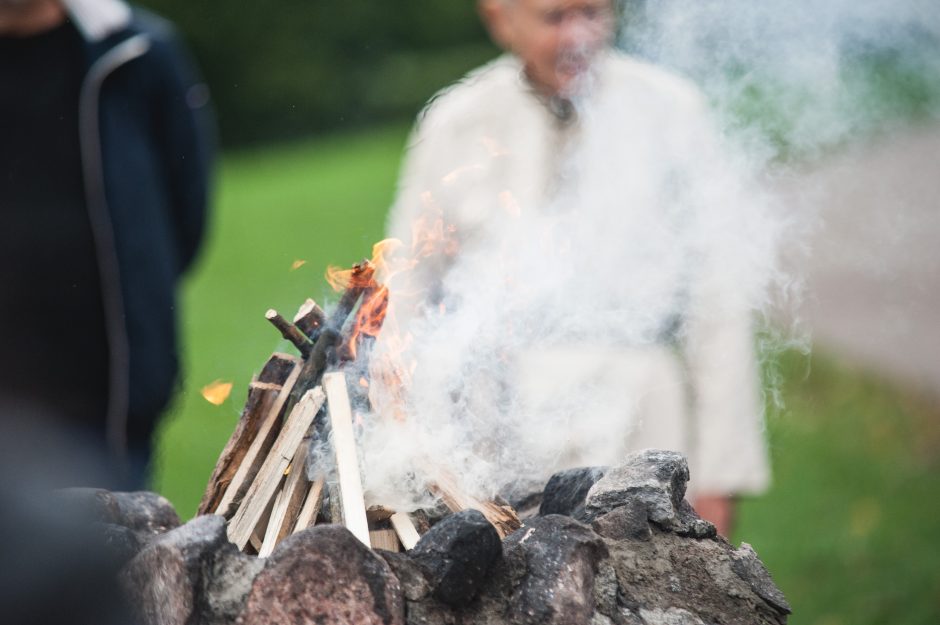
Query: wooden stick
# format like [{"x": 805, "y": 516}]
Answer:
[
  {"x": 310, "y": 319},
  {"x": 256, "y": 540},
  {"x": 277, "y": 368},
  {"x": 314, "y": 366},
  {"x": 261, "y": 396},
  {"x": 347, "y": 458},
  {"x": 405, "y": 529},
  {"x": 290, "y": 332},
  {"x": 255, "y": 456},
  {"x": 311, "y": 508},
  {"x": 503, "y": 518},
  {"x": 377, "y": 514},
  {"x": 271, "y": 473},
  {"x": 336, "y": 505},
  {"x": 271, "y": 527},
  {"x": 299, "y": 489},
  {"x": 385, "y": 539},
  {"x": 287, "y": 503}
]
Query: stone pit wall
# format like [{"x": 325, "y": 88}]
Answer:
[{"x": 610, "y": 546}]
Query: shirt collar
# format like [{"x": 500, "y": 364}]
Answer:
[{"x": 96, "y": 19}]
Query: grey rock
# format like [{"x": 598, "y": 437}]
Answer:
[
  {"x": 457, "y": 554},
  {"x": 628, "y": 522},
  {"x": 689, "y": 523},
  {"x": 120, "y": 543},
  {"x": 672, "y": 571},
  {"x": 656, "y": 479},
  {"x": 566, "y": 490},
  {"x": 227, "y": 585},
  {"x": 671, "y": 616},
  {"x": 432, "y": 612},
  {"x": 747, "y": 565},
  {"x": 146, "y": 512},
  {"x": 190, "y": 575},
  {"x": 324, "y": 575},
  {"x": 414, "y": 582},
  {"x": 606, "y": 591},
  {"x": 559, "y": 558}
]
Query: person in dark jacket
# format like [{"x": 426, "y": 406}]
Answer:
[{"x": 105, "y": 163}]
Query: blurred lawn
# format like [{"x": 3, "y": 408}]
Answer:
[{"x": 849, "y": 530}]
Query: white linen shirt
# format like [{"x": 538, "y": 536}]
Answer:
[{"x": 640, "y": 166}]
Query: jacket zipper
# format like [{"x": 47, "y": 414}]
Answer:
[{"x": 103, "y": 234}]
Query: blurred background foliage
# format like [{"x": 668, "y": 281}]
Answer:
[
  {"x": 302, "y": 68},
  {"x": 295, "y": 67}
]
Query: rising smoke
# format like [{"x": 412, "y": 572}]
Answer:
[
  {"x": 643, "y": 247},
  {"x": 799, "y": 76}
]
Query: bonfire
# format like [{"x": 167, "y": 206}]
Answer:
[{"x": 263, "y": 483}]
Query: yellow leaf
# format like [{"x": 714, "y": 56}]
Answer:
[
  {"x": 217, "y": 392},
  {"x": 297, "y": 264}
]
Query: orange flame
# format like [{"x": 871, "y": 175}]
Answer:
[
  {"x": 369, "y": 318},
  {"x": 359, "y": 276},
  {"x": 372, "y": 282}
]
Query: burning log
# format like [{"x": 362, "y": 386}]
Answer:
[
  {"x": 359, "y": 279},
  {"x": 310, "y": 319}
]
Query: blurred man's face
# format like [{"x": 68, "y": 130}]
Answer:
[
  {"x": 556, "y": 39},
  {"x": 22, "y": 18},
  {"x": 17, "y": 4}
]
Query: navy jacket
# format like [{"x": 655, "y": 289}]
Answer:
[{"x": 146, "y": 140}]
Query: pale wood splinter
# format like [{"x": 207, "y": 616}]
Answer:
[
  {"x": 271, "y": 472},
  {"x": 347, "y": 457},
  {"x": 405, "y": 529},
  {"x": 258, "y": 450}
]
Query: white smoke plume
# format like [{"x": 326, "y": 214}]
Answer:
[
  {"x": 784, "y": 79},
  {"x": 800, "y": 75}
]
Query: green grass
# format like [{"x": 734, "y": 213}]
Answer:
[{"x": 849, "y": 529}]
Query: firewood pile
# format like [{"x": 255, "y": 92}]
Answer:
[{"x": 261, "y": 483}]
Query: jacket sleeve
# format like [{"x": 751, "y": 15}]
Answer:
[
  {"x": 729, "y": 454},
  {"x": 186, "y": 143},
  {"x": 418, "y": 221}
]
